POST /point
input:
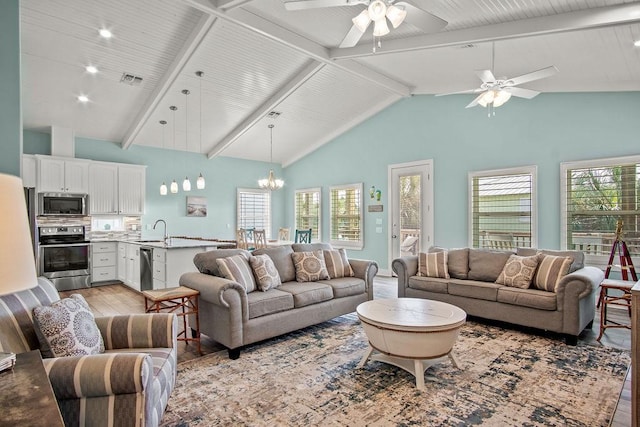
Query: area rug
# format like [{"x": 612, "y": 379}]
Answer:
[{"x": 309, "y": 377}]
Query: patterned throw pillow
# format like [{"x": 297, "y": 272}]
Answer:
[
  {"x": 68, "y": 328},
  {"x": 310, "y": 266},
  {"x": 551, "y": 270},
  {"x": 265, "y": 271},
  {"x": 237, "y": 268},
  {"x": 433, "y": 264},
  {"x": 337, "y": 264},
  {"x": 518, "y": 271}
]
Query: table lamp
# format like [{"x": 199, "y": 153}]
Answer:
[{"x": 17, "y": 265}]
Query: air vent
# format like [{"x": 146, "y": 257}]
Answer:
[
  {"x": 130, "y": 79},
  {"x": 274, "y": 114},
  {"x": 467, "y": 46}
]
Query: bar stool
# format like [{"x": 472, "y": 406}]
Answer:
[{"x": 605, "y": 300}]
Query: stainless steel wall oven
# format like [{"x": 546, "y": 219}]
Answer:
[{"x": 65, "y": 256}]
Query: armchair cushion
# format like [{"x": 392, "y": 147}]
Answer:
[{"x": 67, "y": 328}]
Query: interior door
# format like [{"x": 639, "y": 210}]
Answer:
[{"x": 411, "y": 208}]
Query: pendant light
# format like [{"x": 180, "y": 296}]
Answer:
[
  {"x": 163, "y": 187},
  {"x": 174, "y": 185},
  {"x": 271, "y": 182},
  {"x": 200, "y": 181},
  {"x": 186, "y": 184}
]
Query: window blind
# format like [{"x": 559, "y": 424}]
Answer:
[
  {"x": 254, "y": 210},
  {"x": 307, "y": 211},
  {"x": 346, "y": 216}
]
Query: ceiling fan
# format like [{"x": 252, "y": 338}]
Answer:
[
  {"x": 495, "y": 92},
  {"x": 378, "y": 12}
]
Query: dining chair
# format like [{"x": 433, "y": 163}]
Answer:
[
  {"x": 303, "y": 236},
  {"x": 259, "y": 239},
  {"x": 241, "y": 238},
  {"x": 284, "y": 233}
]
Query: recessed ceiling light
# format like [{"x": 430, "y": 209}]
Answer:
[
  {"x": 105, "y": 33},
  {"x": 91, "y": 69},
  {"x": 637, "y": 43},
  {"x": 83, "y": 98}
]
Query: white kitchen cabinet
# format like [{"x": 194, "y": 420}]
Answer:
[
  {"x": 170, "y": 264},
  {"x": 116, "y": 189},
  {"x": 29, "y": 167},
  {"x": 122, "y": 261},
  {"x": 103, "y": 261},
  {"x": 62, "y": 176},
  {"x": 131, "y": 189},
  {"x": 132, "y": 266}
]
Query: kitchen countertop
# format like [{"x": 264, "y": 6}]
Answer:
[{"x": 173, "y": 243}]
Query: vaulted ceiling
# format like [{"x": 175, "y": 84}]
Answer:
[{"x": 264, "y": 64}]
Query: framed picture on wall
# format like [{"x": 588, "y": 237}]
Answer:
[{"x": 196, "y": 206}]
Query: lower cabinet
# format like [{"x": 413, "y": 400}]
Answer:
[
  {"x": 104, "y": 262},
  {"x": 128, "y": 264},
  {"x": 170, "y": 264}
]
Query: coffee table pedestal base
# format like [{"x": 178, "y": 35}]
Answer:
[{"x": 415, "y": 367}]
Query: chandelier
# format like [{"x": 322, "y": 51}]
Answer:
[{"x": 271, "y": 183}]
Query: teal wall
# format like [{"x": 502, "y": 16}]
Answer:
[
  {"x": 223, "y": 176},
  {"x": 10, "y": 107},
  {"x": 543, "y": 131}
]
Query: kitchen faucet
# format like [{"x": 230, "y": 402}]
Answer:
[{"x": 166, "y": 235}]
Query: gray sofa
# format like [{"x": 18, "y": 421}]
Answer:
[
  {"x": 234, "y": 317},
  {"x": 567, "y": 310}
]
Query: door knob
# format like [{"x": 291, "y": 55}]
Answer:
[{"x": 394, "y": 237}]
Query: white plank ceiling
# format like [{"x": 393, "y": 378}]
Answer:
[{"x": 258, "y": 57}]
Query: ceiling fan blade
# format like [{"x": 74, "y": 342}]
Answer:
[
  {"x": 521, "y": 92},
  {"x": 420, "y": 18},
  {"x": 314, "y": 4},
  {"x": 535, "y": 75},
  {"x": 475, "y": 101},
  {"x": 460, "y": 92},
  {"x": 352, "y": 38},
  {"x": 486, "y": 76}
]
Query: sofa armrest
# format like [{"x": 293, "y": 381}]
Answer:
[
  {"x": 219, "y": 291},
  {"x": 138, "y": 330},
  {"x": 404, "y": 267},
  {"x": 584, "y": 281},
  {"x": 99, "y": 375},
  {"x": 365, "y": 270}
]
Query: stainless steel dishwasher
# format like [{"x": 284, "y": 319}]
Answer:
[{"x": 146, "y": 268}]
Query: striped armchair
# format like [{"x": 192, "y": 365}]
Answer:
[{"x": 128, "y": 385}]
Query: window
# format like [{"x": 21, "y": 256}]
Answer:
[
  {"x": 502, "y": 208},
  {"x": 254, "y": 209},
  {"x": 595, "y": 195},
  {"x": 308, "y": 211},
  {"x": 346, "y": 216}
]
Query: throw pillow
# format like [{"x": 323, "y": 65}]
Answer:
[
  {"x": 433, "y": 264},
  {"x": 551, "y": 270},
  {"x": 518, "y": 271},
  {"x": 237, "y": 268},
  {"x": 337, "y": 264},
  {"x": 310, "y": 266},
  {"x": 265, "y": 271},
  {"x": 67, "y": 327}
]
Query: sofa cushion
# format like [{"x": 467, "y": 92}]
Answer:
[
  {"x": 577, "y": 256},
  {"x": 237, "y": 268},
  {"x": 265, "y": 272},
  {"x": 518, "y": 271},
  {"x": 68, "y": 328},
  {"x": 533, "y": 298},
  {"x": 269, "y": 302},
  {"x": 281, "y": 257},
  {"x": 346, "y": 286},
  {"x": 457, "y": 261},
  {"x": 206, "y": 263},
  {"x": 310, "y": 266},
  {"x": 433, "y": 264},
  {"x": 337, "y": 263},
  {"x": 307, "y": 293},
  {"x": 551, "y": 270},
  {"x": 486, "y": 265},
  {"x": 429, "y": 284},
  {"x": 474, "y": 289}
]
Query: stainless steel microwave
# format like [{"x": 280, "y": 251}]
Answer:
[{"x": 64, "y": 204}]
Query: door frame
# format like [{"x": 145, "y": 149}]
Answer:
[{"x": 426, "y": 233}]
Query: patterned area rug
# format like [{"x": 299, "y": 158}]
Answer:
[{"x": 309, "y": 377}]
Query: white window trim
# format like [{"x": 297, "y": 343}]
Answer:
[
  {"x": 253, "y": 190},
  {"x": 520, "y": 170},
  {"x": 295, "y": 207},
  {"x": 600, "y": 261},
  {"x": 357, "y": 245}
]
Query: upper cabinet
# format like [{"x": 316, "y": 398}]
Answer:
[
  {"x": 29, "y": 167},
  {"x": 116, "y": 188},
  {"x": 62, "y": 175}
]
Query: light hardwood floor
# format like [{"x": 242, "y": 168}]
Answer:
[{"x": 120, "y": 299}]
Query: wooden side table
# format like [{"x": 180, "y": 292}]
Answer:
[
  {"x": 622, "y": 298},
  {"x": 182, "y": 301}
]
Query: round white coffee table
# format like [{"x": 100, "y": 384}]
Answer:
[{"x": 410, "y": 333}]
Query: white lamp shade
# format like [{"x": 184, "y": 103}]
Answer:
[
  {"x": 362, "y": 21},
  {"x": 200, "y": 183},
  {"x": 487, "y": 98},
  {"x": 17, "y": 261},
  {"x": 381, "y": 28},
  {"x": 377, "y": 10},
  {"x": 163, "y": 189},
  {"x": 396, "y": 15},
  {"x": 501, "y": 97},
  {"x": 174, "y": 187},
  {"x": 186, "y": 184}
]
